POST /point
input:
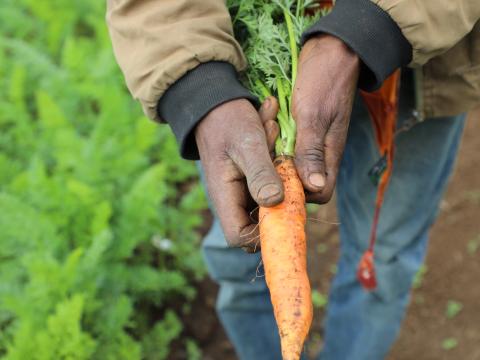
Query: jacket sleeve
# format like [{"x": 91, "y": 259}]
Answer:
[
  {"x": 388, "y": 34},
  {"x": 179, "y": 58},
  {"x": 432, "y": 26}
]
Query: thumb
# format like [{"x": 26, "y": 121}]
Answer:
[
  {"x": 310, "y": 159},
  {"x": 253, "y": 159}
]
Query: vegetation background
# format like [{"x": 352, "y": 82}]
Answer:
[
  {"x": 100, "y": 219},
  {"x": 98, "y": 249}
]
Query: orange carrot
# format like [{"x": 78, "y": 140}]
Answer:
[{"x": 284, "y": 255}]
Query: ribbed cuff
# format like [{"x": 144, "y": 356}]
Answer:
[
  {"x": 194, "y": 95},
  {"x": 371, "y": 33}
]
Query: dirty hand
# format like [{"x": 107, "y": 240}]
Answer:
[
  {"x": 321, "y": 106},
  {"x": 236, "y": 157}
]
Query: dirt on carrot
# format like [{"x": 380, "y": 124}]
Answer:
[{"x": 284, "y": 255}]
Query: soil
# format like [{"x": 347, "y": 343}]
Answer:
[{"x": 443, "y": 320}]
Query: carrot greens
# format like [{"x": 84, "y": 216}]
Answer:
[{"x": 270, "y": 34}]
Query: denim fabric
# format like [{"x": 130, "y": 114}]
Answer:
[{"x": 359, "y": 325}]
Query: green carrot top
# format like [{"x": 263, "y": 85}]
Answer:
[{"x": 269, "y": 32}]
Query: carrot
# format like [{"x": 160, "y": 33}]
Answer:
[
  {"x": 273, "y": 62},
  {"x": 284, "y": 255}
]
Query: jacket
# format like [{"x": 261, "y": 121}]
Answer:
[{"x": 180, "y": 58}]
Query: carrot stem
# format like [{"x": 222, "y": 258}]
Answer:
[{"x": 285, "y": 144}]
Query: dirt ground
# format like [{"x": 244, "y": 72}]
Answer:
[{"x": 443, "y": 320}]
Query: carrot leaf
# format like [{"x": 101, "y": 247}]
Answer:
[{"x": 270, "y": 33}]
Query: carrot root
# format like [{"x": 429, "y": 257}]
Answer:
[{"x": 284, "y": 255}]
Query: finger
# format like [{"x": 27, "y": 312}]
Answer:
[
  {"x": 251, "y": 155},
  {"x": 268, "y": 114},
  {"x": 320, "y": 198},
  {"x": 272, "y": 130},
  {"x": 229, "y": 195},
  {"x": 334, "y": 145},
  {"x": 269, "y": 109},
  {"x": 310, "y": 152}
]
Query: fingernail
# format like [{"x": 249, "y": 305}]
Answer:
[
  {"x": 268, "y": 191},
  {"x": 317, "y": 180}
]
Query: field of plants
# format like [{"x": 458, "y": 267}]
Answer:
[
  {"x": 97, "y": 211},
  {"x": 100, "y": 219}
]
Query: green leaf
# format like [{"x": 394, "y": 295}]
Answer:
[
  {"x": 449, "y": 344},
  {"x": 270, "y": 36},
  {"x": 473, "y": 245},
  {"x": 156, "y": 343},
  {"x": 193, "y": 350},
  {"x": 319, "y": 300},
  {"x": 419, "y": 277},
  {"x": 87, "y": 187},
  {"x": 453, "y": 308}
]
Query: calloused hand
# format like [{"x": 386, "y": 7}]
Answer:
[
  {"x": 321, "y": 106},
  {"x": 236, "y": 156}
]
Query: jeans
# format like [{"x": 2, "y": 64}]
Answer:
[{"x": 359, "y": 325}]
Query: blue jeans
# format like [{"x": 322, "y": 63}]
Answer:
[{"x": 359, "y": 325}]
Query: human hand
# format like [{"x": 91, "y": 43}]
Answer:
[
  {"x": 236, "y": 157},
  {"x": 321, "y": 106}
]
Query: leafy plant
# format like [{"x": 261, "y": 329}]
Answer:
[
  {"x": 473, "y": 245},
  {"x": 449, "y": 344},
  {"x": 420, "y": 276},
  {"x": 88, "y": 186},
  {"x": 319, "y": 300},
  {"x": 269, "y": 32},
  {"x": 453, "y": 309}
]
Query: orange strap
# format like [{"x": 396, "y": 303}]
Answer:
[{"x": 382, "y": 106}]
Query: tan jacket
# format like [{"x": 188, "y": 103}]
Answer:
[{"x": 157, "y": 41}]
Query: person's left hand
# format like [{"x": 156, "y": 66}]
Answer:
[{"x": 321, "y": 106}]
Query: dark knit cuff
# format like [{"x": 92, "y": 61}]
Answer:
[
  {"x": 194, "y": 95},
  {"x": 371, "y": 33}
]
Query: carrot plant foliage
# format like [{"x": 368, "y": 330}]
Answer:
[
  {"x": 96, "y": 240},
  {"x": 270, "y": 32}
]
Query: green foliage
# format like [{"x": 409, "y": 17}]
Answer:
[
  {"x": 193, "y": 351},
  {"x": 449, "y": 344},
  {"x": 319, "y": 300},
  {"x": 473, "y": 245},
  {"x": 453, "y": 309},
  {"x": 157, "y": 340},
  {"x": 270, "y": 35},
  {"x": 420, "y": 276},
  {"x": 89, "y": 196}
]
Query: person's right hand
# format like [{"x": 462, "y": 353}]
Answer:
[{"x": 235, "y": 155}]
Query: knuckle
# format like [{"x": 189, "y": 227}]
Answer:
[
  {"x": 220, "y": 156},
  {"x": 251, "y": 140},
  {"x": 258, "y": 176},
  {"x": 304, "y": 115},
  {"x": 320, "y": 198},
  {"x": 326, "y": 197},
  {"x": 314, "y": 153},
  {"x": 233, "y": 239},
  {"x": 247, "y": 145},
  {"x": 231, "y": 231},
  {"x": 312, "y": 120},
  {"x": 324, "y": 123}
]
